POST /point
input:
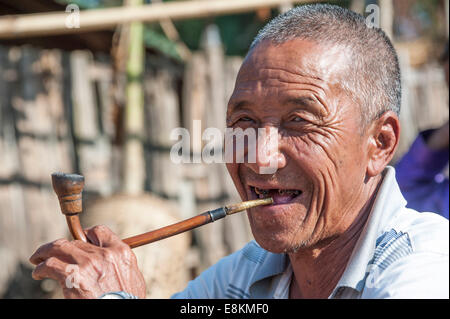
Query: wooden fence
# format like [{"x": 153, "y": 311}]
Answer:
[{"x": 58, "y": 112}]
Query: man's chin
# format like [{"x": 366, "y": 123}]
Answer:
[{"x": 280, "y": 245}]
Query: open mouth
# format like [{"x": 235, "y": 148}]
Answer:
[{"x": 280, "y": 196}]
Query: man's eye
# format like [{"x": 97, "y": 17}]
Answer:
[
  {"x": 297, "y": 119},
  {"x": 245, "y": 119}
]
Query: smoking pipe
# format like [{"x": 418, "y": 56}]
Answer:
[{"x": 68, "y": 188}]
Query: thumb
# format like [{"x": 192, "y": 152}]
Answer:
[{"x": 102, "y": 236}]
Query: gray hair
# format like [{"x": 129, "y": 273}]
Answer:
[{"x": 373, "y": 77}]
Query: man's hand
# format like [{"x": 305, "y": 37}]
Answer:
[{"x": 89, "y": 270}]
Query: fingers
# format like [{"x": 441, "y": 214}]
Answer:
[
  {"x": 62, "y": 249},
  {"x": 74, "y": 252},
  {"x": 108, "y": 264},
  {"x": 51, "y": 268},
  {"x": 102, "y": 236}
]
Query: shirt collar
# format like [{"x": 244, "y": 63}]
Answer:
[{"x": 387, "y": 201}]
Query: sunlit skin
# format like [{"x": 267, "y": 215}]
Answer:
[{"x": 323, "y": 151}]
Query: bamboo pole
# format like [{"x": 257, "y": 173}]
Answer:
[
  {"x": 45, "y": 24},
  {"x": 134, "y": 166}
]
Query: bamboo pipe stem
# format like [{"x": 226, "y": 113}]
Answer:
[
  {"x": 194, "y": 222},
  {"x": 68, "y": 188}
]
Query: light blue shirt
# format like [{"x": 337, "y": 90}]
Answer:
[{"x": 400, "y": 254}]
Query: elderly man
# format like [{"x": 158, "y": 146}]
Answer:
[{"x": 339, "y": 227}]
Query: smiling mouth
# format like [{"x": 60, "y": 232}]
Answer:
[{"x": 280, "y": 196}]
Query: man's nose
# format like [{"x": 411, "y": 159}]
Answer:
[{"x": 268, "y": 156}]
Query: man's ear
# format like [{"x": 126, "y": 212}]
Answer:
[{"x": 384, "y": 134}]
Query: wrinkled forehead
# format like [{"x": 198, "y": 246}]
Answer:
[{"x": 298, "y": 57}]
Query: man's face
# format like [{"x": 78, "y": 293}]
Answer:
[{"x": 321, "y": 159}]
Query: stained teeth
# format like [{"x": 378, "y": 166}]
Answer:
[
  {"x": 265, "y": 192},
  {"x": 261, "y": 191},
  {"x": 288, "y": 192}
]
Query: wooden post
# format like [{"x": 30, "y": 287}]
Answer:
[
  {"x": 285, "y": 6},
  {"x": 237, "y": 229},
  {"x": 133, "y": 164},
  {"x": 407, "y": 122},
  {"x": 387, "y": 17},
  {"x": 162, "y": 116},
  {"x": 210, "y": 187},
  {"x": 358, "y": 6},
  {"x": 93, "y": 149}
]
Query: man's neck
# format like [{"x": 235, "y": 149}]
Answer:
[{"x": 317, "y": 269}]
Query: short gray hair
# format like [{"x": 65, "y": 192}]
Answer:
[{"x": 373, "y": 78}]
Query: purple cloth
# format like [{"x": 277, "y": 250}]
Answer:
[{"x": 419, "y": 174}]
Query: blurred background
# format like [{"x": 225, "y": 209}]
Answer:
[{"x": 102, "y": 102}]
